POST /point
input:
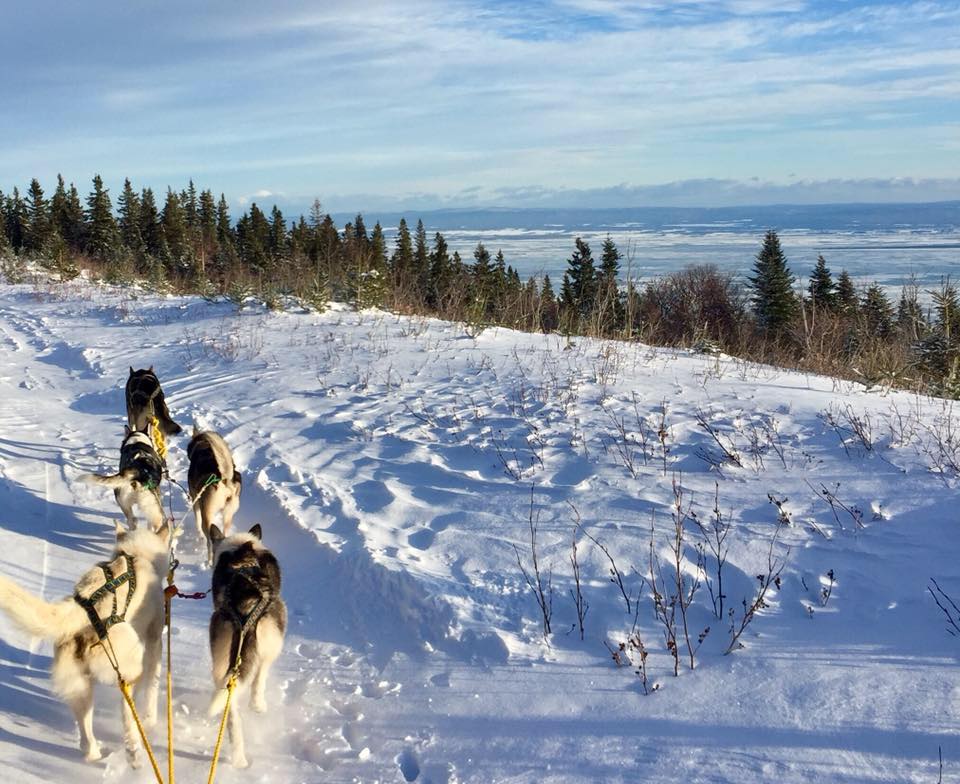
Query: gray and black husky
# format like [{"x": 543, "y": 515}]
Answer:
[
  {"x": 145, "y": 400},
  {"x": 214, "y": 483},
  {"x": 246, "y": 598},
  {"x": 137, "y": 482}
]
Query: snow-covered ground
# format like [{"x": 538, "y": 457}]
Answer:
[{"x": 391, "y": 462}]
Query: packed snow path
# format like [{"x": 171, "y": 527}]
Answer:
[{"x": 390, "y": 461}]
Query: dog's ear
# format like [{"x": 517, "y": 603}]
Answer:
[
  {"x": 126, "y": 431},
  {"x": 164, "y": 532},
  {"x": 131, "y": 370},
  {"x": 216, "y": 535},
  {"x": 257, "y": 532},
  {"x": 196, "y": 430},
  {"x": 120, "y": 531},
  {"x": 150, "y": 369}
]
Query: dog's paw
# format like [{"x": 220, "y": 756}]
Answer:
[
  {"x": 150, "y": 720},
  {"x": 239, "y": 761},
  {"x": 93, "y": 754},
  {"x": 259, "y": 703},
  {"x": 133, "y": 759}
]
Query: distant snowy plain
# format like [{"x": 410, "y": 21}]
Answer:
[{"x": 391, "y": 462}]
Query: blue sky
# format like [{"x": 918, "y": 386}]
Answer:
[{"x": 430, "y": 103}]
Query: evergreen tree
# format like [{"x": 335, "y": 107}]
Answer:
[
  {"x": 846, "y": 295},
  {"x": 128, "y": 206},
  {"x": 440, "y": 271},
  {"x": 16, "y": 220},
  {"x": 609, "y": 301},
  {"x": 482, "y": 274},
  {"x": 401, "y": 263},
  {"x": 253, "y": 233},
  {"x": 373, "y": 292},
  {"x": 278, "y": 234},
  {"x": 151, "y": 231},
  {"x": 175, "y": 233},
  {"x": 549, "y": 315},
  {"x": 207, "y": 223},
  {"x": 822, "y": 289},
  {"x": 421, "y": 262},
  {"x": 360, "y": 231},
  {"x": 579, "y": 291},
  {"x": 191, "y": 212},
  {"x": 877, "y": 311},
  {"x": 37, "y": 228},
  {"x": 774, "y": 302},
  {"x": 102, "y": 237}
]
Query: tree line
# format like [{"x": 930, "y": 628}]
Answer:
[{"x": 191, "y": 243}]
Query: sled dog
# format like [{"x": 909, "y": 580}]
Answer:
[
  {"x": 137, "y": 483},
  {"x": 214, "y": 483},
  {"x": 246, "y": 597},
  {"x": 124, "y": 598},
  {"x": 145, "y": 400}
]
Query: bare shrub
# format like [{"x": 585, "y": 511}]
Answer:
[{"x": 540, "y": 585}]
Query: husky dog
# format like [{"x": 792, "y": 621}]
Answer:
[
  {"x": 137, "y": 482},
  {"x": 246, "y": 596},
  {"x": 145, "y": 400},
  {"x": 124, "y": 598},
  {"x": 213, "y": 482}
]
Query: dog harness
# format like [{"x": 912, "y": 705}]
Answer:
[
  {"x": 138, "y": 453},
  {"x": 245, "y": 622},
  {"x": 89, "y": 603}
]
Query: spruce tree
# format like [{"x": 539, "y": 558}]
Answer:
[
  {"x": 175, "y": 233},
  {"x": 207, "y": 222},
  {"x": 482, "y": 274},
  {"x": 440, "y": 271},
  {"x": 278, "y": 234},
  {"x": 401, "y": 262},
  {"x": 579, "y": 291},
  {"x": 609, "y": 299},
  {"x": 822, "y": 289},
  {"x": 421, "y": 262},
  {"x": 549, "y": 319},
  {"x": 151, "y": 231},
  {"x": 774, "y": 302},
  {"x": 128, "y": 207},
  {"x": 16, "y": 220},
  {"x": 37, "y": 228},
  {"x": 877, "y": 311},
  {"x": 946, "y": 307},
  {"x": 102, "y": 237},
  {"x": 846, "y": 295}
]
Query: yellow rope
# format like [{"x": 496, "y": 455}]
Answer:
[
  {"x": 167, "y": 597},
  {"x": 159, "y": 440},
  {"x": 125, "y": 690},
  {"x": 231, "y": 685}
]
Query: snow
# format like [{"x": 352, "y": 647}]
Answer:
[{"x": 390, "y": 461}]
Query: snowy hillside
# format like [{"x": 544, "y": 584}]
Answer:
[{"x": 396, "y": 465}]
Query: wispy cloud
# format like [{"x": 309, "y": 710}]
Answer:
[{"x": 435, "y": 96}]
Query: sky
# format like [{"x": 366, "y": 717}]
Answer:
[{"x": 468, "y": 103}]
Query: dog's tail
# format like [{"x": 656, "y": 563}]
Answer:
[
  {"x": 49, "y": 620},
  {"x": 114, "y": 480}
]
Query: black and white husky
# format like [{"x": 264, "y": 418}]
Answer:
[
  {"x": 214, "y": 484},
  {"x": 131, "y": 616},
  {"x": 246, "y": 597},
  {"x": 145, "y": 400},
  {"x": 137, "y": 483}
]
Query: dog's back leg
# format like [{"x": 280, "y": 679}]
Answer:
[
  {"x": 229, "y": 510},
  {"x": 238, "y": 753},
  {"x": 72, "y": 683},
  {"x": 269, "y": 644},
  {"x": 149, "y": 685},
  {"x": 208, "y": 508}
]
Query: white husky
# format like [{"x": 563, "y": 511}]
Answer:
[{"x": 132, "y": 614}]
